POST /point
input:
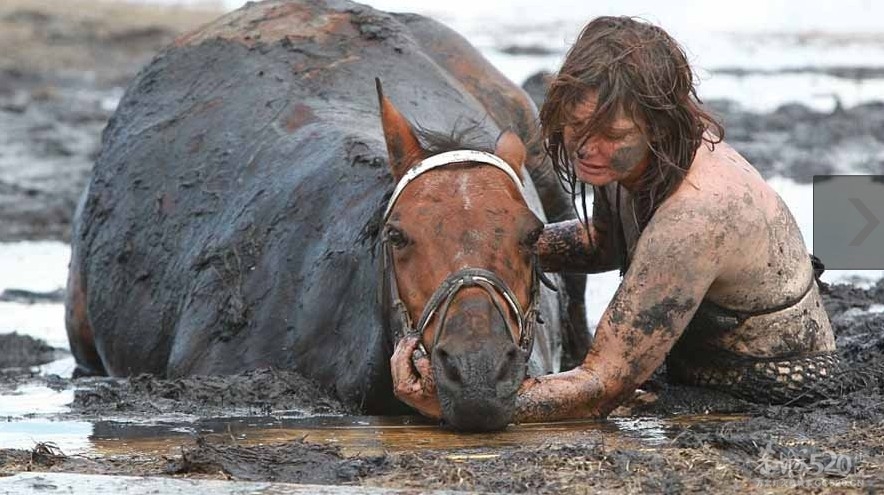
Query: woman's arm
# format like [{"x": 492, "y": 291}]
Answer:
[
  {"x": 568, "y": 247},
  {"x": 675, "y": 262}
]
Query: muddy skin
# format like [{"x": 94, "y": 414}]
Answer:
[
  {"x": 794, "y": 140},
  {"x": 576, "y": 393},
  {"x": 566, "y": 244},
  {"x": 661, "y": 315},
  {"x": 784, "y": 278},
  {"x": 631, "y": 155},
  {"x": 745, "y": 253}
]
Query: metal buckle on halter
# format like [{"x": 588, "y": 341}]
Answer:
[{"x": 467, "y": 277}]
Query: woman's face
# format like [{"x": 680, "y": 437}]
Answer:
[{"x": 620, "y": 153}]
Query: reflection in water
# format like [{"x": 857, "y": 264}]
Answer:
[
  {"x": 652, "y": 430},
  {"x": 352, "y": 434}
]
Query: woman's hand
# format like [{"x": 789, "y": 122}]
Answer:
[{"x": 413, "y": 381}]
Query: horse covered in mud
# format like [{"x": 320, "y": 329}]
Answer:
[{"x": 237, "y": 215}]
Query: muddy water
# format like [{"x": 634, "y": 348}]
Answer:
[
  {"x": 39, "y": 408},
  {"x": 353, "y": 435}
]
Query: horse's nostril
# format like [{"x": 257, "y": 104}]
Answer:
[
  {"x": 452, "y": 374},
  {"x": 507, "y": 364},
  {"x": 449, "y": 366}
]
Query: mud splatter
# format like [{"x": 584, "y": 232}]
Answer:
[{"x": 661, "y": 315}]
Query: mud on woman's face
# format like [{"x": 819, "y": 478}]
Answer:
[{"x": 619, "y": 153}]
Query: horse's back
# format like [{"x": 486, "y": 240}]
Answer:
[{"x": 222, "y": 228}]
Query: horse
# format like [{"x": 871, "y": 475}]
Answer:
[{"x": 241, "y": 214}]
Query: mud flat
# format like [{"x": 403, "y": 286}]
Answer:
[
  {"x": 273, "y": 426},
  {"x": 63, "y": 68},
  {"x": 33, "y": 483},
  {"x": 60, "y": 77}
]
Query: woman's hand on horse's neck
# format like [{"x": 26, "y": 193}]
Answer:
[
  {"x": 674, "y": 265},
  {"x": 566, "y": 247}
]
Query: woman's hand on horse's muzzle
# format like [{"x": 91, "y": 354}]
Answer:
[{"x": 413, "y": 381}]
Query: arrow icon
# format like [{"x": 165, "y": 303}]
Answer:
[{"x": 871, "y": 222}]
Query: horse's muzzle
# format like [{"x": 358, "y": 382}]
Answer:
[{"x": 477, "y": 387}]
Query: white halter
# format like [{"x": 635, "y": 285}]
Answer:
[{"x": 448, "y": 158}]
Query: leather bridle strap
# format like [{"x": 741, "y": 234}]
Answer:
[
  {"x": 448, "y": 158},
  {"x": 488, "y": 281},
  {"x": 437, "y": 305},
  {"x": 462, "y": 279}
]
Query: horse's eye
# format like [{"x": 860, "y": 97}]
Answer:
[{"x": 396, "y": 237}]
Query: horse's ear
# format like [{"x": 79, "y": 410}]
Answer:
[
  {"x": 403, "y": 147},
  {"x": 511, "y": 148}
]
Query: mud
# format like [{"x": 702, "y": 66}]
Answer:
[
  {"x": 62, "y": 71},
  {"x": 31, "y": 297},
  {"x": 48, "y": 457},
  {"x": 294, "y": 462},
  {"x": 23, "y": 351},
  {"x": 60, "y": 78},
  {"x": 709, "y": 440},
  {"x": 258, "y": 392}
]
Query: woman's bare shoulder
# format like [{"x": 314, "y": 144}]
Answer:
[
  {"x": 718, "y": 173},
  {"x": 724, "y": 194}
]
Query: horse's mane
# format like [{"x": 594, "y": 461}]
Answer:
[
  {"x": 461, "y": 137},
  {"x": 469, "y": 137}
]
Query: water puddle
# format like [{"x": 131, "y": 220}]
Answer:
[
  {"x": 72, "y": 437},
  {"x": 62, "y": 367},
  {"x": 354, "y": 435},
  {"x": 30, "y": 400}
]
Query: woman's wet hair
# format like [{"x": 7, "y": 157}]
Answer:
[{"x": 638, "y": 69}]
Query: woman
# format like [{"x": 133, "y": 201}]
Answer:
[{"x": 717, "y": 281}]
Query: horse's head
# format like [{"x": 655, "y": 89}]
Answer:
[{"x": 458, "y": 238}]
